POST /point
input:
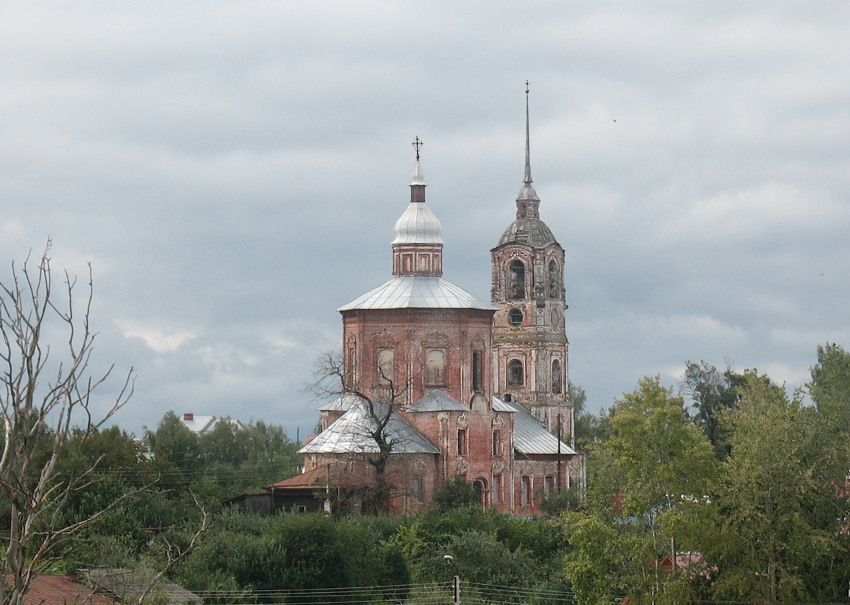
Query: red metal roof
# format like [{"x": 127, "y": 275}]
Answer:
[
  {"x": 62, "y": 590},
  {"x": 318, "y": 477}
]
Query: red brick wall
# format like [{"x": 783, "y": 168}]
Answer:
[{"x": 410, "y": 333}]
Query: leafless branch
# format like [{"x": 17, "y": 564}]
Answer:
[
  {"x": 46, "y": 389},
  {"x": 175, "y": 555},
  {"x": 333, "y": 379}
]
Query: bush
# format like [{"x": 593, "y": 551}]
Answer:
[{"x": 456, "y": 492}]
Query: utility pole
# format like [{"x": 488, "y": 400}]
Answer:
[
  {"x": 559, "y": 446},
  {"x": 455, "y": 581}
]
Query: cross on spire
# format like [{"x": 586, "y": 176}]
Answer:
[{"x": 416, "y": 145}]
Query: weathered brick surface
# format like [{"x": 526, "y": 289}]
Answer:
[
  {"x": 539, "y": 339},
  {"x": 410, "y": 333}
]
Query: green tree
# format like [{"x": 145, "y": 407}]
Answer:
[
  {"x": 456, "y": 492},
  {"x": 777, "y": 535},
  {"x": 269, "y": 456},
  {"x": 830, "y": 392},
  {"x": 606, "y": 560},
  {"x": 712, "y": 392},
  {"x": 174, "y": 443},
  {"x": 558, "y": 502},
  {"x": 830, "y": 385},
  {"x": 589, "y": 428},
  {"x": 226, "y": 443},
  {"x": 112, "y": 461},
  {"x": 647, "y": 481},
  {"x": 270, "y": 444},
  {"x": 247, "y": 553}
]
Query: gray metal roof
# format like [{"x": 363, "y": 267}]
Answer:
[
  {"x": 530, "y": 436},
  {"x": 341, "y": 404},
  {"x": 198, "y": 424},
  {"x": 437, "y": 401},
  {"x": 418, "y": 225},
  {"x": 418, "y": 292},
  {"x": 350, "y": 434},
  {"x": 531, "y": 231}
]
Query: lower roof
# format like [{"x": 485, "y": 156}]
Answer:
[
  {"x": 530, "y": 435},
  {"x": 351, "y": 433}
]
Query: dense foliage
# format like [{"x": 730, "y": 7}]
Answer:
[
  {"x": 726, "y": 489},
  {"x": 741, "y": 496},
  {"x": 174, "y": 482}
]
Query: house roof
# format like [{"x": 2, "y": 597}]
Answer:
[
  {"x": 351, "y": 434},
  {"x": 198, "y": 424},
  {"x": 60, "y": 590},
  {"x": 201, "y": 424},
  {"x": 128, "y": 585},
  {"x": 437, "y": 401},
  {"x": 530, "y": 436},
  {"x": 417, "y": 292},
  {"x": 311, "y": 479}
]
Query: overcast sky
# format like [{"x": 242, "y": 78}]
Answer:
[{"x": 233, "y": 172}]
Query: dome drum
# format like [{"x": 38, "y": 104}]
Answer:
[{"x": 424, "y": 259}]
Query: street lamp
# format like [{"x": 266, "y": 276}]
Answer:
[{"x": 456, "y": 583}]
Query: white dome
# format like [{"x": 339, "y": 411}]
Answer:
[{"x": 418, "y": 225}]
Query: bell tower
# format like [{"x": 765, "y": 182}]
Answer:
[{"x": 530, "y": 347}]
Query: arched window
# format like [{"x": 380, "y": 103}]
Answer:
[
  {"x": 386, "y": 366},
  {"x": 435, "y": 364},
  {"x": 480, "y": 485},
  {"x": 349, "y": 376},
  {"x": 556, "y": 377},
  {"x": 477, "y": 370},
  {"x": 554, "y": 280},
  {"x": 526, "y": 494},
  {"x": 516, "y": 374},
  {"x": 515, "y": 317},
  {"x": 516, "y": 280}
]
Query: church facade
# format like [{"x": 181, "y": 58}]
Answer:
[{"x": 437, "y": 382}]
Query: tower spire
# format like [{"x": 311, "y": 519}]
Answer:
[
  {"x": 527, "y": 178},
  {"x": 527, "y": 201}
]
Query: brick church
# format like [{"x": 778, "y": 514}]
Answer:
[{"x": 438, "y": 382}]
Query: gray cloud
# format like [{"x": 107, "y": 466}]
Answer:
[{"x": 233, "y": 172}]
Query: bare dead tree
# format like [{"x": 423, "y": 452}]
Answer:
[
  {"x": 46, "y": 389},
  {"x": 333, "y": 379}
]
